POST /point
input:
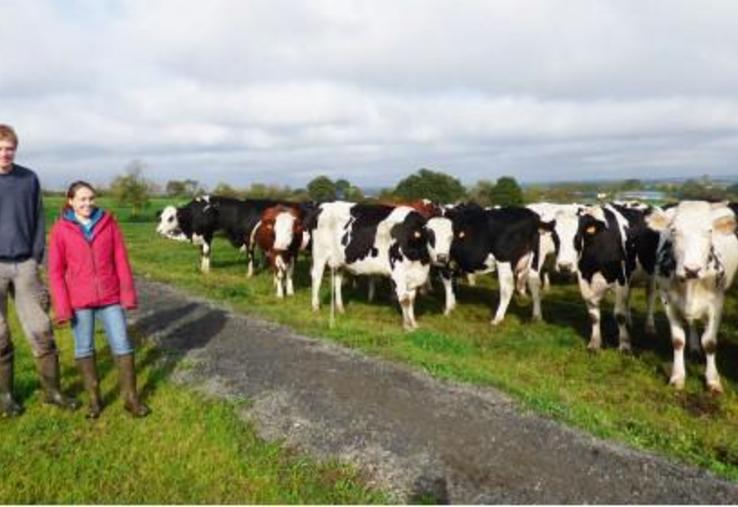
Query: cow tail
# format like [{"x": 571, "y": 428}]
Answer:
[
  {"x": 252, "y": 236},
  {"x": 537, "y": 249}
]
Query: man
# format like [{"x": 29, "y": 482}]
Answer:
[{"x": 22, "y": 238}]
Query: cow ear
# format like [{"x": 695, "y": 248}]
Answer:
[
  {"x": 546, "y": 226},
  {"x": 431, "y": 236},
  {"x": 158, "y": 213},
  {"x": 396, "y": 231},
  {"x": 725, "y": 224},
  {"x": 658, "y": 220}
]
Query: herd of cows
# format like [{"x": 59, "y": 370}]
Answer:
[{"x": 686, "y": 252}]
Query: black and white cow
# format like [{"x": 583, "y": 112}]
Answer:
[
  {"x": 614, "y": 246},
  {"x": 505, "y": 239},
  {"x": 556, "y": 246},
  {"x": 696, "y": 263},
  {"x": 371, "y": 239},
  {"x": 201, "y": 218}
]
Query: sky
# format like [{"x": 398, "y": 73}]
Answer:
[{"x": 282, "y": 91}]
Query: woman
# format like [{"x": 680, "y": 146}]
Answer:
[{"x": 90, "y": 278}]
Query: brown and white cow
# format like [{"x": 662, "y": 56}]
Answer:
[
  {"x": 279, "y": 234},
  {"x": 696, "y": 263}
]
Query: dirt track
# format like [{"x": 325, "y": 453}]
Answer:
[{"x": 414, "y": 435}]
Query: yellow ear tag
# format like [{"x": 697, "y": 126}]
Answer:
[
  {"x": 462, "y": 234},
  {"x": 417, "y": 235},
  {"x": 591, "y": 229}
]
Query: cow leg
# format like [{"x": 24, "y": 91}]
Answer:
[
  {"x": 407, "y": 302},
  {"x": 693, "y": 340},
  {"x": 709, "y": 345},
  {"x": 448, "y": 285},
  {"x": 317, "y": 278},
  {"x": 250, "y": 264},
  {"x": 651, "y": 293},
  {"x": 205, "y": 258},
  {"x": 290, "y": 273},
  {"x": 278, "y": 283},
  {"x": 592, "y": 294},
  {"x": 678, "y": 340},
  {"x": 534, "y": 286},
  {"x": 372, "y": 288},
  {"x": 507, "y": 286},
  {"x": 622, "y": 315},
  {"x": 406, "y": 299},
  {"x": 471, "y": 279},
  {"x": 546, "y": 281},
  {"x": 279, "y": 276},
  {"x": 337, "y": 285}
]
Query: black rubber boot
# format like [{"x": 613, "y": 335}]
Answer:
[
  {"x": 131, "y": 403},
  {"x": 48, "y": 370},
  {"x": 8, "y": 406},
  {"x": 88, "y": 369}
]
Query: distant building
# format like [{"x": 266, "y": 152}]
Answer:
[{"x": 641, "y": 195}]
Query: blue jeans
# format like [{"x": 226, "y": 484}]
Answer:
[{"x": 114, "y": 322}]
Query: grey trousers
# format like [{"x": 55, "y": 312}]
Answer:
[{"x": 30, "y": 299}]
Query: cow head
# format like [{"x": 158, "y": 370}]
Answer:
[
  {"x": 590, "y": 223},
  {"x": 413, "y": 237},
  {"x": 565, "y": 230},
  {"x": 692, "y": 228},
  {"x": 440, "y": 237},
  {"x": 170, "y": 225}
]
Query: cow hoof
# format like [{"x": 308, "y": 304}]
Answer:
[
  {"x": 316, "y": 308},
  {"x": 340, "y": 309},
  {"x": 625, "y": 349},
  {"x": 537, "y": 318},
  {"x": 593, "y": 347},
  {"x": 496, "y": 322},
  {"x": 650, "y": 329},
  {"x": 677, "y": 382},
  {"x": 715, "y": 387}
]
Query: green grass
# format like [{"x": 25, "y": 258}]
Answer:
[
  {"x": 544, "y": 365},
  {"x": 191, "y": 449}
]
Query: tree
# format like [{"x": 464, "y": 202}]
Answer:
[
  {"x": 322, "y": 189},
  {"x": 225, "y": 190},
  {"x": 184, "y": 188},
  {"x": 342, "y": 188},
  {"x": 701, "y": 189},
  {"x": 506, "y": 192},
  {"x": 132, "y": 188},
  {"x": 427, "y": 184},
  {"x": 481, "y": 193},
  {"x": 175, "y": 188}
]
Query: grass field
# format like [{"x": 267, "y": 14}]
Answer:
[{"x": 544, "y": 365}]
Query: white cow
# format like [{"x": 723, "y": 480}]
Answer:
[{"x": 697, "y": 261}]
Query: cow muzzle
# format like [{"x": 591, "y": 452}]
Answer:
[
  {"x": 690, "y": 273},
  {"x": 442, "y": 258}
]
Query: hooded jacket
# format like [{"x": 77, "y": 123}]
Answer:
[{"x": 89, "y": 273}]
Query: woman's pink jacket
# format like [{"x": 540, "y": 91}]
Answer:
[{"x": 89, "y": 274}]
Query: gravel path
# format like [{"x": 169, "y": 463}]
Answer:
[{"x": 412, "y": 434}]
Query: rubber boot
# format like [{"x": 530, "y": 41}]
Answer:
[
  {"x": 131, "y": 403},
  {"x": 88, "y": 369},
  {"x": 48, "y": 370},
  {"x": 8, "y": 406}
]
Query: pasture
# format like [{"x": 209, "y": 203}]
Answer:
[{"x": 544, "y": 365}]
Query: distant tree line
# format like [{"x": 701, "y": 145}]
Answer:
[{"x": 132, "y": 188}]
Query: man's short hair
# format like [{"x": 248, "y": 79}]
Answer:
[{"x": 7, "y": 132}]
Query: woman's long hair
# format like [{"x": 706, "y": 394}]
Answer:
[{"x": 72, "y": 191}]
